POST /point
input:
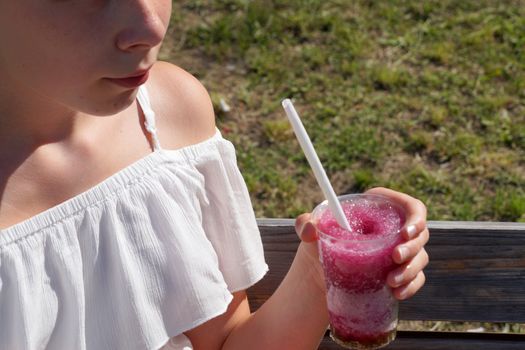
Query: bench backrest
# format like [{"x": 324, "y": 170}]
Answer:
[{"x": 476, "y": 271}]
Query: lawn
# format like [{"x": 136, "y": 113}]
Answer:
[{"x": 426, "y": 97}]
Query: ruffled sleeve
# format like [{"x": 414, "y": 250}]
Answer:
[{"x": 229, "y": 221}]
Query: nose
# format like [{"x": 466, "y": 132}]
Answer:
[{"x": 144, "y": 26}]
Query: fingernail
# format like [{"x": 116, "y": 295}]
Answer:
[
  {"x": 398, "y": 279},
  {"x": 403, "y": 294},
  {"x": 310, "y": 230},
  {"x": 309, "y": 226},
  {"x": 411, "y": 231},
  {"x": 403, "y": 253}
]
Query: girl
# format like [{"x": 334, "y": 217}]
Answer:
[{"x": 125, "y": 223}]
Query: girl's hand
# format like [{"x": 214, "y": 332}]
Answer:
[{"x": 408, "y": 278}]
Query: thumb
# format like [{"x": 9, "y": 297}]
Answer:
[{"x": 305, "y": 229}]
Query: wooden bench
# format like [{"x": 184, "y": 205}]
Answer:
[{"x": 476, "y": 274}]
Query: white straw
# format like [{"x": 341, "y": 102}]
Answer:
[{"x": 315, "y": 164}]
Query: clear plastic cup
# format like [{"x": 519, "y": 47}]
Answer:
[{"x": 362, "y": 309}]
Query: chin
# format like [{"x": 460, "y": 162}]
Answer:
[{"x": 113, "y": 105}]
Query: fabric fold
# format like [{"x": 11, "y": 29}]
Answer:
[{"x": 151, "y": 252}]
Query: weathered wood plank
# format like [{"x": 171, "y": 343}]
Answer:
[
  {"x": 446, "y": 341},
  {"x": 476, "y": 273},
  {"x": 284, "y": 225}
]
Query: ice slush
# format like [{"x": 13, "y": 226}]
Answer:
[{"x": 362, "y": 309}]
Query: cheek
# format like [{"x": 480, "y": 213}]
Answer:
[
  {"x": 38, "y": 48},
  {"x": 47, "y": 57},
  {"x": 40, "y": 65}
]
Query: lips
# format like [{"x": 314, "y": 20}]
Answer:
[{"x": 132, "y": 81}]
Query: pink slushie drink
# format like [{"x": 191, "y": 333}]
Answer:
[{"x": 362, "y": 309}]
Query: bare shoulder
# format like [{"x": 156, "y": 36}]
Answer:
[{"x": 182, "y": 105}]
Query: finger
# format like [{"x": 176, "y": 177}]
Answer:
[
  {"x": 414, "y": 208},
  {"x": 408, "y": 290},
  {"x": 305, "y": 229},
  {"x": 408, "y": 250},
  {"x": 409, "y": 271}
]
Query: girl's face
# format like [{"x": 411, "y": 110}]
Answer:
[{"x": 67, "y": 51}]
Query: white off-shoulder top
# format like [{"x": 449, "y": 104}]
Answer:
[{"x": 150, "y": 252}]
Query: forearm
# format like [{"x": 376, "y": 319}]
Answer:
[{"x": 294, "y": 317}]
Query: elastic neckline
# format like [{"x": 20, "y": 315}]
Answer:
[{"x": 107, "y": 188}]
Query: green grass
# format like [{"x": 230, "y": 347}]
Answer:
[
  {"x": 423, "y": 97},
  {"x": 426, "y": 97}
]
